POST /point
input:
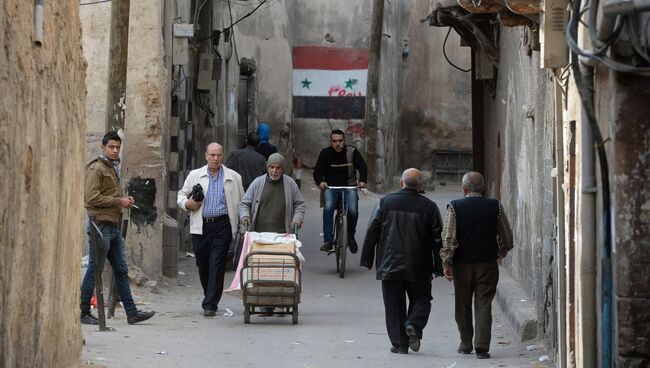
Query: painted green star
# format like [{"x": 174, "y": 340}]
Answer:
[
  {"x": 350, "y": 82},
  {"x": 305, "y": 83}
]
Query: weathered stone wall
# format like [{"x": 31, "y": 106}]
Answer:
[
  {"x": 144, "y": 169},
  {"x": 95, "y": 22},
  {"x": 436, "y": 98},
  {"x": 626, "y": 117},
  {"x": 41, "y": 157},
  {"x": 525, "y": 146}
]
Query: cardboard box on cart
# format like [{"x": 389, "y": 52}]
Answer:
[{"x": 280, "y": 267}]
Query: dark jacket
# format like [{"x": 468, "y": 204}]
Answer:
[
  {"x": 265, "y": 148},
  {"x": 405, "y": 229},
  {"x": 333, "y": 167},
  {"x": 247, "y": 163}
]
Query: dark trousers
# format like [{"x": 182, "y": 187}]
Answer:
[
  {"x": 398, "y": 316},
  {"x": 477, "y": 281},
  {"x": 211, "y": 250}
]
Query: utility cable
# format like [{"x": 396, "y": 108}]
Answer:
[
  {"x": 95, "y": 2},
  {"x": 444, "y": 52},
  {"x": 587, "y": 98}
]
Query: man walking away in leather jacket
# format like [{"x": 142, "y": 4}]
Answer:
[{"x": 405, "y": 232}]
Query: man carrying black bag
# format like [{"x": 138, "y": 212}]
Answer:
[
  {"x": 405, "y": 231},
  {"x": 213, "y": 220}
]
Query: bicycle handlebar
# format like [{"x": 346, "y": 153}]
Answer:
[{"x": 346, "y": 187}]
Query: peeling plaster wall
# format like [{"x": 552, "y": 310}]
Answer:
[
  {"x": 436, "y": 102},
  {"x": 265, "y": 38},
  {"x": 41, "y": 157},
  {"x": 527, "y": 160},
  {"x": 146, "y": 130}
]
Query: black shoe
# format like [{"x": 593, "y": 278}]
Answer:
[
  {"x": 327, "y": 247},
  {"x": 140, "y": 316},
  {"x": 398, "y": 350},
  {"x": 482, "y": 354},
  {"x": 209, "y": 312},
  {"x": 462, "y": 350},
  {"x": 352, "y": 244},
  {"x": 88, "y": 319},
  {"x": 414, "y": 340}
]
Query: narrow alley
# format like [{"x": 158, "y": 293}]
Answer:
[{"x": 341, "y": 321}]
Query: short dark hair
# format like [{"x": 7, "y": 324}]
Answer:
[
  {"x": 338, "y": 132},
  {"x": 253, "y": 139},
  {"x": 111, "y": 136}
]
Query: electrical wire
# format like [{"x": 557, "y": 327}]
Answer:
[
  {"x": 245, "y": 16},
  {"x": 444, "y": 52},
  {"x": 95, "y": 2},
  {"x": 587, "y": 98},
  {"x": 600, "y": 53}
]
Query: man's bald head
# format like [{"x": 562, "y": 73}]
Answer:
[
  {"x": 473, "y": 182},
  {"x": 213, "y": 145},
  {"x": 411, "y": 179}
]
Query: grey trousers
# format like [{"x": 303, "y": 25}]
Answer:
[{"x": 477, "y": 282}]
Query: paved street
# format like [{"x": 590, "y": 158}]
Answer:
[{"x": 341, "y": 321}]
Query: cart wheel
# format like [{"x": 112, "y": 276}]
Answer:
[
  {"x": 247, "y": 314},
  {"x": 294, "y": 316}
]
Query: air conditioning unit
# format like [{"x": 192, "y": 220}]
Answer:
[{"x": 552, "y": 36}]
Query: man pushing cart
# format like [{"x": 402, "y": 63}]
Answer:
[{"x": 272, "y": 204}]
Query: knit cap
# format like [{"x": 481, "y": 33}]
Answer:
[{"x": 275, "y": 158}]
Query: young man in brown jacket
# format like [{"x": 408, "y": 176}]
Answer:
[{"x": 104, "y": 203}]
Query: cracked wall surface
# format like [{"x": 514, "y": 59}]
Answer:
[{"x": 41, "y": 190}]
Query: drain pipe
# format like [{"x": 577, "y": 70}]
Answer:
[
  {"x": 587, "y": 100},
  {"x": 586, "y": 262},
  {"x": 38, "y": 22}
]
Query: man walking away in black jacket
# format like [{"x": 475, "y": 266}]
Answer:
[{"x": 405, "y": 231}]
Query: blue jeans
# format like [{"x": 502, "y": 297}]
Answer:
[
  {"x": 332, "y": 197},
  {"x": 111, "y": 248}
]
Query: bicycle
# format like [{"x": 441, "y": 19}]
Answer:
[{"x": 341, "y": 231}]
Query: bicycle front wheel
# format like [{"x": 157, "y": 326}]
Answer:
[{"x": 342, "y": 246}]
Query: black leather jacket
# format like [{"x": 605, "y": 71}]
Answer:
[{"x": 405, "y": 231}]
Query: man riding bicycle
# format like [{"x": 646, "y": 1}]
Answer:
[{"x": 337, "y": 165}]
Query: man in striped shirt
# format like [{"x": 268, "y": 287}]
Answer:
[{"x": 213, "y": 221}]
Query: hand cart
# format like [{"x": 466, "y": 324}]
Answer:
[{"x": 271, "y": 279}]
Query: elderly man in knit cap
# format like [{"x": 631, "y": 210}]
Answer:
[{"x": 272, "y": 203}]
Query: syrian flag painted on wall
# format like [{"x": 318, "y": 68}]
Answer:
[{"x": 329, "y": 82}]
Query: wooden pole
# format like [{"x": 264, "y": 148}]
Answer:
[
  {"x": 95, "y": 240},
  {"x": 372, "y": 144},
  {"x": 117, "y": 61}
]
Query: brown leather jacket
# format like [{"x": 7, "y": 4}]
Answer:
[{"x": 102, "y": 194}]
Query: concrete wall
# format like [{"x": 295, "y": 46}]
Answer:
[
  {"x": 146, "y": 145},
  {"x": 526, "y": 151},
  {"x": 436, "y": 99},
  {"x": 41, "y": 157},
  {"x": 337, "y": 23},
  {"x": 95, "y": 22},
  {"x": 624, "y": 110},
  {"x": 265, "y": 38}
]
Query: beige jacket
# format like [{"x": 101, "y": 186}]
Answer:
[
  {"x": 232, "y": 187},
  {"x": 102, "y": 192}
]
